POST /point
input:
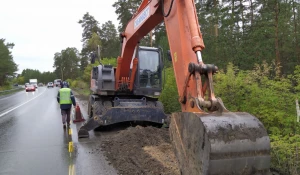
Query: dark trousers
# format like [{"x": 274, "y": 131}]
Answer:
[{"x": 65, "y": 113}]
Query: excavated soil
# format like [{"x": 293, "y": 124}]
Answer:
[
  {"x": 137, "y": 150},
  {"x": 140, "y": 150}
]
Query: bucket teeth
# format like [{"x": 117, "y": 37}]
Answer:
[{"x": 82, "y": 133}]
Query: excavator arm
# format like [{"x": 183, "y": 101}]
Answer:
[
  {"x": 207, "y": 138},
  {"x": 186, "y": 44}
]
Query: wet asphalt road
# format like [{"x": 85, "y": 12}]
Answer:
[{"x": 33, "y": 141}]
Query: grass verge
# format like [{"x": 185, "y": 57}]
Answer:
[
  {"x": 12, "y": 91},
  {"x": 82, "y": 94}
]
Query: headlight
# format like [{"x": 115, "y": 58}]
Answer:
[{"x": 156, "y": 93}]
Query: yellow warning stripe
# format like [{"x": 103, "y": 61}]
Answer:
[
  {"x": 71, "y": 169},
  {"x": 71, "y": 149},
  {"x": 70, "y": 131}
]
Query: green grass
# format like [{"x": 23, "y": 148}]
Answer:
[
  {"x": 5, "y": 87},
  {"x": 85, "y": 92}
]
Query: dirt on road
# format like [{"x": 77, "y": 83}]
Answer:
[
  {"x": 137, "y": 150},
  {"x": 141, "y": 150}
]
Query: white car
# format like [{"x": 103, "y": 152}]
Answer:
[{"x": 50, "y": 84}]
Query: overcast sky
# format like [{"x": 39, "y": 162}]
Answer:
[{"x": 40, "y": 28}]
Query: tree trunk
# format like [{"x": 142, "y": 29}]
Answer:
[
  {"x": 2, "y": 79},
  {"x": 251, "y": 13},
  {"x": 295, "y": 31},
  {"x": 278, "y": 63},
  {"x": 242, "y": 13},
  {"x": 216, "y": 17},
  {"x": 232, "y": 16},
  {"x": 216, "y": 26}
]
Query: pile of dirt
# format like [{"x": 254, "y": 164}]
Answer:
[
  {"x": 137, "y": 150},
  {"x": 140, "y": 150}
]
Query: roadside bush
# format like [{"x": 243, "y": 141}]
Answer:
[
  {"x": 69, "y": 81},
  {"x": 270, "y": 100},
  {"x": 78, "y": 84},
  {"x": 5, "y": 87},
  {"x": 169, "y": 96},
  {"x": 286, "y": 154},
  {"x": 20, "y": 80},
  {"x": 82, "y": 85},
  {"x": 73, "y": 84}
]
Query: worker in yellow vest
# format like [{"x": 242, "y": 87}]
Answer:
[{"x": 66, "y": 98}]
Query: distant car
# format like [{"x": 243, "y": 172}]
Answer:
[
  {"x": 40, "y": 84},
  {"x": 16, "y": 84},
  {"x": 50, "y": 84},
  {"x": 30, "y": 87},
  {"x": 57, "y": 82},
  {"x": 26, "y": 84}
]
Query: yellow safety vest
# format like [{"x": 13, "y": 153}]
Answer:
[{"x": 65, "y": 96}]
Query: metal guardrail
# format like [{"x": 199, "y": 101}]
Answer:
[{"x": 17, "y": 88}]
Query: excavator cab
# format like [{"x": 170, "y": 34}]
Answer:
[
  {"x": 148, "y": 78},
  {"x": 108, "y": 105}
]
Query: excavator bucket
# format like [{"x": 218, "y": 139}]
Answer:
[{"x": 227, "y": 144}]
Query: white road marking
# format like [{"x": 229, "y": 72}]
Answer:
[{"x": 21, "y": 105}]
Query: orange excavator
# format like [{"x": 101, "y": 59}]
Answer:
[{"x": 207, "y": 138}]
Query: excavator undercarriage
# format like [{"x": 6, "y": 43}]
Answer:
[{"x": 109, "y": 110}]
